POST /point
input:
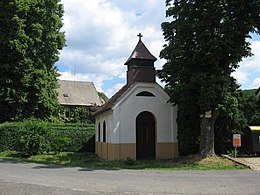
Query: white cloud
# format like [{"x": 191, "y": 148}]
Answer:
[
  {"x": 101, "y": 35},
  {"x": 97, "y": 79},
  {"x": 253, "y": 63},
  {"x": 255, "y": 84},
  {"x": 249, "y": 68},
  {"x": 111, "y": 91},
  {"x": 241, "y": 77}
]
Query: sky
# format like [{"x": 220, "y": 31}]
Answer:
[{"x": 101, "y": 35}]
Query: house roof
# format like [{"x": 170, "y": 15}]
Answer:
[
  {"x": 78, "y": 93},
  {"x": 112, "y": 101},
  {"x": 140, "y": 52}
]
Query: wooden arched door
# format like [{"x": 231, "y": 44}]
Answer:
[{"x": 145, "y": 136}]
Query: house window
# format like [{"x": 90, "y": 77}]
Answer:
[
  {"x": 67, "y": 112},
  {"x": 104, "y": 131},
  {"x": 146, "y": 94},
  {"x": 99, "y": 132}
]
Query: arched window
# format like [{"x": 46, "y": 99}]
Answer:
[
  {"x": 104, "y": 131},
  {"x": 146, "y": 94},
  {"x": 99, "y": 132}
]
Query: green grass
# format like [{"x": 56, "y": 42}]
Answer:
[{"x": 193, "y": 162}]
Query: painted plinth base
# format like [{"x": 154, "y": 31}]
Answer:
[{"x": 109, "y": 151}]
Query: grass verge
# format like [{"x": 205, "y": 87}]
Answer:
[{"x": 193, "y": 162}]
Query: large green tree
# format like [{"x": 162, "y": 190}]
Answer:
[
  {"x": 30, "y": 40},
  {"x": 205, "y": 42}
]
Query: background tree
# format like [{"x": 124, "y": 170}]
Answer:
[
  {"x": 240, "y": 110},
  {"x": 103, "y": 96},
  {"x": 249, "y": 104},
  {"x": 205, "y": 42},
  {"x": 30, "y": 40}
]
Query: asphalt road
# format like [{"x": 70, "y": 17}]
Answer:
[{"x": 30, "y": 178}]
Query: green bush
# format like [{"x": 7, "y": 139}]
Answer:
[
  {"x": 76, "y": 137},
  {"x": 57, "y": 141},
  {"x": 8, "y": 136},
  {"x": 77, "y": 114},
  {"x": 36, "y": 137},
  {"x": 77, "y": 134},
  {"x": 33, "y": 138},
  {"x": 129, "y": 161}
]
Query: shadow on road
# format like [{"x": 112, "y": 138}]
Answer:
[
  {"x": 3, "y": 161},
  {"x": 52, "y": 166},
  {"x": 95, "y": 169}
]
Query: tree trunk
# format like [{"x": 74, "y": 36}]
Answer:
[{"x": 207, "y": 133}]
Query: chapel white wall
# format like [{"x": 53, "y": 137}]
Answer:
[
  {"x": 128, "y": 108},
  {"x": 108, "y": 118}
]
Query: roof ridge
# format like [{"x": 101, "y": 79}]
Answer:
[{"x": 76, "y": 81}]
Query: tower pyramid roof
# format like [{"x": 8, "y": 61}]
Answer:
[{"x": 140, "y": 52}]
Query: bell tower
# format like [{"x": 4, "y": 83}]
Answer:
[{"x": 140, "y": 64}]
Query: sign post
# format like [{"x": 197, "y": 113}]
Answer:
[{"x": 236, "y": 142}]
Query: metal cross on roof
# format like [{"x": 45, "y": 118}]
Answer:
[{"x": 140, "y": 36}]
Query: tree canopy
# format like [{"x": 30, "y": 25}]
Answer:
[
  {"x": 30, "y": 40},
  {"x": 205, "y": 42}
]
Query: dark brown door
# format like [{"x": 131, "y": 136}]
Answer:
[{"x": 145, "y": 136}]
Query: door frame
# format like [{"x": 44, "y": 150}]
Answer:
[{"x": 150, "y": 138}]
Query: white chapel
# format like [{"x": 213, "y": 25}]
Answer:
[{"x": 138, "y": 121}]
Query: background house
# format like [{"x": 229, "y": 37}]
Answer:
[{"x": 74, "y": 94}]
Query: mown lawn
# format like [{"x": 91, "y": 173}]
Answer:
[{"x": 193, "y": 162}]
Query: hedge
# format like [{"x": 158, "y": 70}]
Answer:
[
  {"x": 36, "y": 137},
  {"x": 8, "y": 136}
]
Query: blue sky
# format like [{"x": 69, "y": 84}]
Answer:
[{"x": 101, "y": 35}]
